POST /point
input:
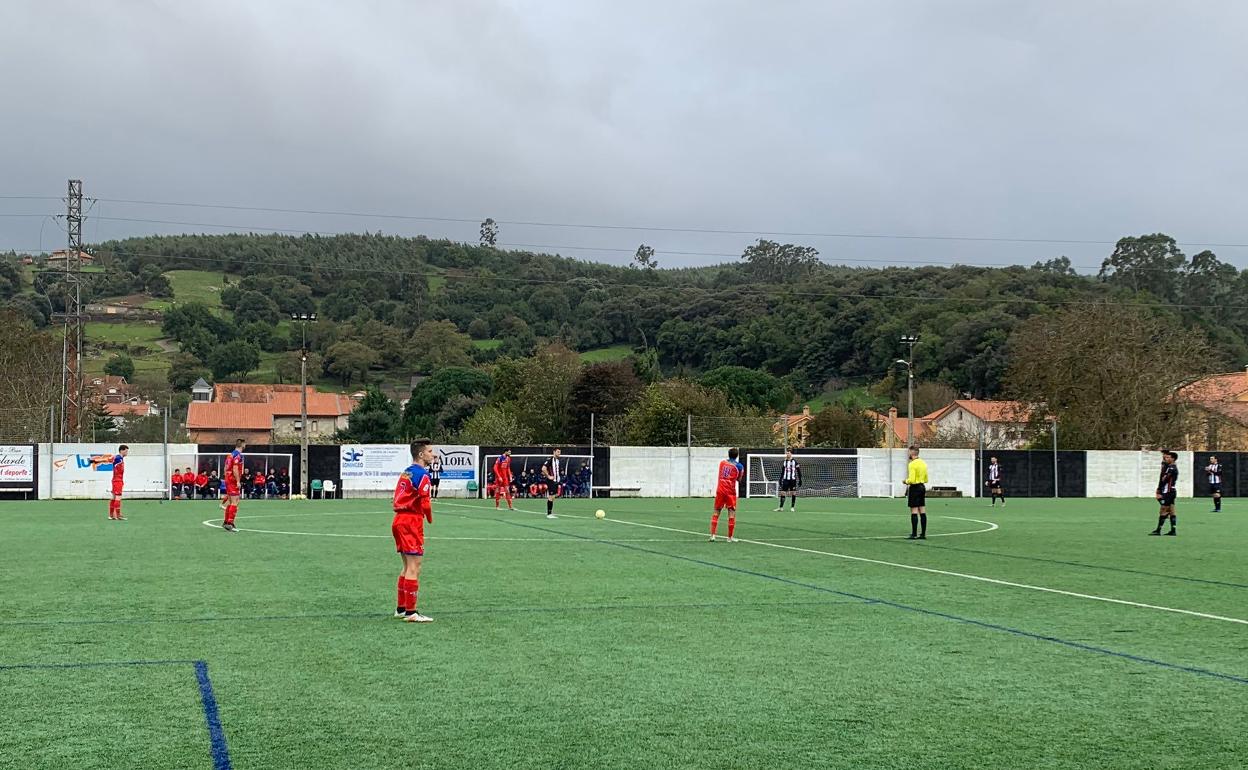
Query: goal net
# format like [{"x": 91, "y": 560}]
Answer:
[
  {"x": 275, "y": 468},
  {"x": 822, "y": 475},
  {"x": 526, "y": 475}
]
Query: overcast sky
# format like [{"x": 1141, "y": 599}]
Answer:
[{"x": 1042, "y": 120}]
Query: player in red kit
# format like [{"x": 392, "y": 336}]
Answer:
[
  {"x": 730, "y": 472},
  {"x": 234, "y": 471},
  {"x": 119, "y": 473},
  {"x": 502, "y": 479},
  {"x": 413, "y": 507}
]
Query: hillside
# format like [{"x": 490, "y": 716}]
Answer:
[{"x": 393, "y": 307}]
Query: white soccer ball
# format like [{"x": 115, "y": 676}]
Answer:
[{"x": 600, "y": 514}]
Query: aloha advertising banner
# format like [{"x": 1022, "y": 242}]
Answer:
[
  {"x": 376, "y": 467},
  {"x": 17, "y": 464}
]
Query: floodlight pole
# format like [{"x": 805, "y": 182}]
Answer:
[
  {"x": 909, "y": 339},
  {"x": 302, "y": 319}
]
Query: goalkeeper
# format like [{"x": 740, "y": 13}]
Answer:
[{"x": 790, "y": 480}]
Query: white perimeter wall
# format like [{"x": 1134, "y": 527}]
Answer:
[
  {"x": 667, "y": 471},
  {"x": 66, "y": 470},
  {"x": 945, "y": 468},
  {"x": 1133, "y": 474}
]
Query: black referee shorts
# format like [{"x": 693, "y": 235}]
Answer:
[{"x": 916, "y": 496}]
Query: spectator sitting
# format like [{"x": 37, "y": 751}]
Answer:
[
  {"x": 258, "y": 483},
  {"x": 214, "y": 484},
  {"x": 175, "y": 484},
  {"x": 283, "y": 482},
  {"x": 201, "y": 484},
  {"x": 271, "y": 487}
]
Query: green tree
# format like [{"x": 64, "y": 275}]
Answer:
[
  {"x": 489, "y": 233},
  {"x": 773, "y": 261},
  {"x": 431, "y": 396},
  {"x": 375, "y": 420},
  {"x": 234, "y": 359},
  {"x": 288, "y": 366},
  {"x": 439, "y": 344},
  {"x": 660, "y": 416},
  {"x": 605, "y": 389},
  {"x": 350, "y": 360},
  {"x": 120, "y": 365},
  {"x": 455, "y": 413},
  {"x": 546, "y": 390},
  {"x": 254, "y": 307},
  {"x": 479, "y": 329},
  {"x": 644, "y": 258},
  {"x": 184, "y": 370},
  {"x": 495, "y": 425},
  {"x": 1147, "y": 263},
  {"x": 836, "y": 426},
  {"x": 749, "y": 387}
]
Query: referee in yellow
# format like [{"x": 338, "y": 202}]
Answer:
[{"x": 916, "y": 495}]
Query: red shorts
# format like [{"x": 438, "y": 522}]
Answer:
[
  {"x": 231, "y": 490},
  {"x": 117, "y": 488},
  {"x": 409, "y": 533},
  {"x": 724, "y": 500}
]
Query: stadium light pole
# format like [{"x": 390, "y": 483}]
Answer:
[
  {"x": 909, "y": 339},
  {"x": 302, "y": 319}
]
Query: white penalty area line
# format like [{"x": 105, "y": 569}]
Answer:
[{"x": 933, "y": 571}]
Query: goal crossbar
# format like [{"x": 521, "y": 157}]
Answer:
[{"x": 821, "y": 475}]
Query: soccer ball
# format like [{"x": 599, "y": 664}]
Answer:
[{"x": 600, "y": 514}]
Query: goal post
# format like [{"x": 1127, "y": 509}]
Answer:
[
  {"x": 526, "y": 470},
  {"x": 822, "y": 475}
]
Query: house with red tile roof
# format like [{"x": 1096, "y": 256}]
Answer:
[
  {"x": 1002, "y": 424},
  {"x": 894, "y": 428},
  {"x": 1220, "y": 418},
  {"x": 262, "y": 414}
]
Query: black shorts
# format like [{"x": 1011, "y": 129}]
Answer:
[
  {"x": 1215, "y": 489},
  {"x": 434, "y": 481},
  {"x": 916, "y": 496},
  {"x": 1167, "y": 499},
  {"x": 788, "y": 485}
]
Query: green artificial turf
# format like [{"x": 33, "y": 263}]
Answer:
[{"x": 630, "y": 642}]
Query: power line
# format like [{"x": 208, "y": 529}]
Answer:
[{"x": 649, "y": 228}]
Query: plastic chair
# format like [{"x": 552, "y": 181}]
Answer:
[
  {"x": 316, "y": 488},
  {"x": 330, "y": 489}
]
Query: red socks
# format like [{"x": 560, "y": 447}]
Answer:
[
  {"x": 714, "y": 522},
  {"x": 732, "y": 524},
  {"x": 114, "y": 509},
  {"x": 407, "y": 593},
  {"x": 230, "y": 510}
]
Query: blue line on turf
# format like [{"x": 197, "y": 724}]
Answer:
[
  {"x": 212, "y": 716},
  {"x": 930, "y": 545},
  {"x": 898, "y": 605},
  {"x": 216, "y": 736}
]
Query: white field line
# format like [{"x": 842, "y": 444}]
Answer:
[
  {"x": 947, "y": 573},
  {"x": 216, "y": 524}
]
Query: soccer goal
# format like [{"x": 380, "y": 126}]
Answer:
[
  {"x": 526, "y": 473},
  {"x": 822, "y": 475},
  {"x": 268, "y": 464}
]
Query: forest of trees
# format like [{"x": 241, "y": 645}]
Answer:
[{"x": 389, "y": 307}]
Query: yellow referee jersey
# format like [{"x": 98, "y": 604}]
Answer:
[{"x": 916, "y": 472}]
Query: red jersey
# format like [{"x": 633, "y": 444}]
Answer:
[
  {"x": 119, "y": 469},
  {"x": 412, "y": 493},
  {"x": 502, "y": 470},
  {"x": 201, "y": 480},
  {"x": 233, "y": 465},
  {"x": 259, "y": 479},
  {"x": 176, "y": 478},
  {"x": 729, "y": 474}
]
